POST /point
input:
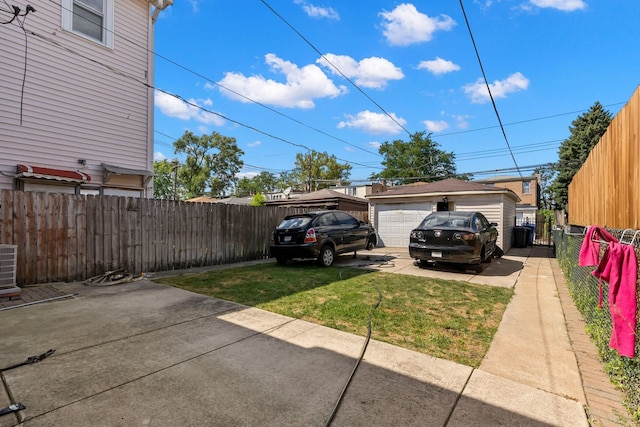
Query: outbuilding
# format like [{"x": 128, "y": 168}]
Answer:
[{"x": 397, "y": 211}]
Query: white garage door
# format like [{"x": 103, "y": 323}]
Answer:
[{"x": 395, "y": 222}]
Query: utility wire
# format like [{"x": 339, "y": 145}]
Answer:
[
  {"x": 484, "y": 76},
  {"x": 335, "y": 67},
  {"x": 273, "y": 110}
]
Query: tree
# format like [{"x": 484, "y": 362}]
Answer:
[
  {"x": 547, "y": 175},
  {"x": 264, "y": 182},
  {"x": 586, "y": 131},
  {"x": 418, "y": 159},
  {"x": 314, "y": 171},
  {"x": 212, "y": 162},
  {"x": 165, "y": 179},
  {"x": 258, "y": 200}
]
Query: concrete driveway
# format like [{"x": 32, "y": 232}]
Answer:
[
  {"x": 146, "y": 354},
  {"x": 502, "y": 272}
]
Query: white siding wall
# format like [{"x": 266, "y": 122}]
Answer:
[
  {"x": 74, "y": 107},
  {"x": 497, "y": 208}
]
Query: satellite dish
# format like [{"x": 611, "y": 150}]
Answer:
[{"x": 287, "y": 191}]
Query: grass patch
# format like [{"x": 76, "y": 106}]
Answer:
[{"x": 447, "y": 319}]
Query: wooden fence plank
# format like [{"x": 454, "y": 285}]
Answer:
[
  {"x": 20, "y": 233},
  {"x": 41, "y": 238}
]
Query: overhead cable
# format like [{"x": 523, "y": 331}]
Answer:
[
  {"x": 486, "y": 82},
  {"x": 335, "y": 67}
]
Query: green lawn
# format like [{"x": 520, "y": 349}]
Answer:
[{"x": 447, "y": 319}]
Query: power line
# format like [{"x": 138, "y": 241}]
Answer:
[
  {"x": 525, "y": 121},
  {"x": 335, "y": 67},
  {"x": 273, "y": 110},
  {"x": 493, "y": 102}
]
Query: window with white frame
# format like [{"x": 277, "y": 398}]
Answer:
[
  {"x": 92, "y": 19},
  {"x": 526, "y": 187}
]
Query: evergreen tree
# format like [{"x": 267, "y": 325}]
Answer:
[{"x": 586, "y": 131}]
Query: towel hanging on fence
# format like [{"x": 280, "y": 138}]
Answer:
[{"x": 618, "y": 267}]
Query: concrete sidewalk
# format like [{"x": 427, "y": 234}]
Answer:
[{"x": 146, "y": 354}]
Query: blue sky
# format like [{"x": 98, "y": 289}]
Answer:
[{"x": 283, "y": 76}]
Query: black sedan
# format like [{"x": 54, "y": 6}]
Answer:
[
  {"x": 454, "y": 237},
  {"x": 320, "y": 235}
]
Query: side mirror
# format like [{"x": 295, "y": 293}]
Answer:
[{"x": 493, "y": 224}]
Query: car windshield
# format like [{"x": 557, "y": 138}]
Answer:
[
  {"x": 295, "y": 222},
  {"x": 445, "y": 220}
]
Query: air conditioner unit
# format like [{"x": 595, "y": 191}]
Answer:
[{"x": 8, "y": 256}]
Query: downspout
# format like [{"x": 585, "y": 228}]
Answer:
[{"x": 159, "y": 5}]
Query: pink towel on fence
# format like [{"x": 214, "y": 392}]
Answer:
[{"x": 618, "y": 267}]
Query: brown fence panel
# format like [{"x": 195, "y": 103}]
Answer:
[
  {"x": 606, "y": 189},
  {"x": 62, "y": 237}
]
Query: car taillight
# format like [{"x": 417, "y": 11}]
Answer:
[{"x": 310, "y": 237}]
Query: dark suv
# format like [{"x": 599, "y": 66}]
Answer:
[{"x": 320, "y": 235}]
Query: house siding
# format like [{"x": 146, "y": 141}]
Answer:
[{"x": 81, "y": 99}]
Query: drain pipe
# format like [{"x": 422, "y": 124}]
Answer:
[{"x": 159, "y": 5}]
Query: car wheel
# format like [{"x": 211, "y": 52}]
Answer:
[
  {"x": 371, "y": 244},
  {"x": 326, "y": 257},
  {"x": 282, "y": 260}
]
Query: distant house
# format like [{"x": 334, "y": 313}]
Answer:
[
  {"x": 323, "y": 199},
  {"x": 527, "y": 188},
  {"x": 397, "y": 211},
  {"x": 77, "y": 101},
  {"x": 360, "y": 190}
]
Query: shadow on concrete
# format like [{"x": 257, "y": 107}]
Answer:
[{"x": 148, "y": 354}]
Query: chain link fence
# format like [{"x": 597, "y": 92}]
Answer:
[{"x": 584, "y": 289}]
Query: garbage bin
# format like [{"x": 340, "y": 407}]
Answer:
[
  {"x": 531, "y": 233},
  {"x": 520, "y": 237}
]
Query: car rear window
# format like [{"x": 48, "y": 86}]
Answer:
[
  {"x": 445, "y": 220},
  {"x": 295, "y": 222}
]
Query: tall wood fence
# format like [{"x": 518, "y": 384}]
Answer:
[
  {"x": 62, "y": 237},
  {"x": 606, "y": 189}
]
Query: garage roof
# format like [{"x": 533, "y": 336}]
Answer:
[{"x": 444, "y": 187}]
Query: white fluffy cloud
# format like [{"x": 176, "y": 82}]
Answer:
[
  {"x": 373, "y": 123},
  {"x": 192, "y": 110},
  {"x": 301, "y": 86},
  {"x": 158, "y": 156},
  {"x": 565, "y": 5},
  {"x": 404, "y": 25},
  {"x": 316, "y": 11},
  {"x": 436, "y": 126},
  {"x": 478, "y": 93},
  {"x": 438, "y": 66},
  {"x": 373, "y": 72}
]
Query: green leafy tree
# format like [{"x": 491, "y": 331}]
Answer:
[
  {"x": 264, "y": 182},
  {"x": 165, "y": 180},
  {"x": 586, "y": 131},
  {"x": 258, "y": 200},
  {"x": 211, "y": 164},
  {"x": 419, "y": 159},
  {"x": 314, "y": 171},
  {"x": 547, "y": 175}
]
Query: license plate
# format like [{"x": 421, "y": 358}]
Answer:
[
  {"x": 436, "y": 254},
  {"x": 287, "y": 238}
]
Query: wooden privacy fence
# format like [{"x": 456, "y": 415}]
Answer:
[
  {"x": 62, "y": 237},
  {"x": 606, "y": 189}
]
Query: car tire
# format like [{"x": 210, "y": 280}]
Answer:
[
  {"x": 282, "y": 260},
  {"x": 327, "y": 256},
  {"x": 371, "y": 243}
]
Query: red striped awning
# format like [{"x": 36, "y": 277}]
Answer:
[{"x": 27, "y": 171}]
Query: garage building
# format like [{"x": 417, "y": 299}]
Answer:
[{"x": 394, "y": 213}]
